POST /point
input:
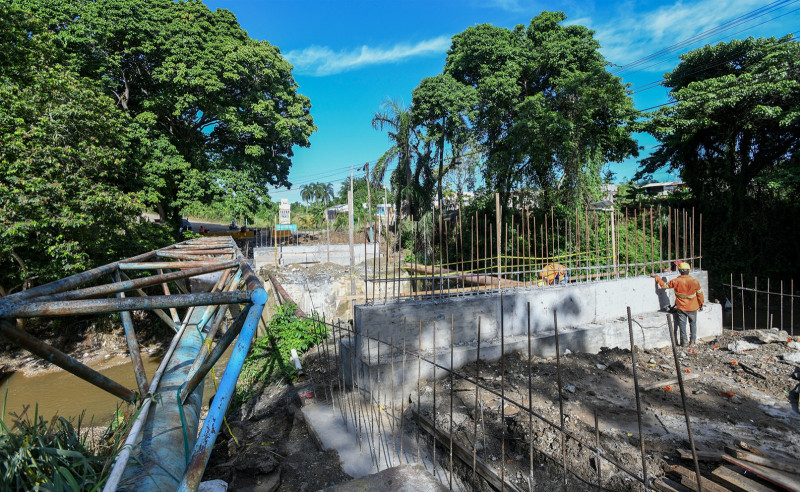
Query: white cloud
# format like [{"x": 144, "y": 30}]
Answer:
[
  {"x": 321, "y": 60},
  {"x": 636, "y": 34}
]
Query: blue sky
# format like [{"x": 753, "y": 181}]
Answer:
[{"x": 351, "y": 56}]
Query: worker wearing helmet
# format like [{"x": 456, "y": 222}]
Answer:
[
  {"x": 553, "y": 273},
  {"x": 688, "y": 300}
]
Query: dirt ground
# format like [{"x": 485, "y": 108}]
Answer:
[
  {"x": 725, "y": 402},
  {"x": 273, "y": 449},
  {"x": 754, "y": 399}
]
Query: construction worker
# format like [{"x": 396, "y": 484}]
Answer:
[
  {"x": 688, "y": 300},
  {"x": 553, "y": 273}
]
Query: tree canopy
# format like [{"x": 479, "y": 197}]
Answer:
[
  {"x": 733, "y": 135},
  {"x": 548, "y": 114},
  {"x": 218, "y": 112},
  {"x": 65, "y": 160}
]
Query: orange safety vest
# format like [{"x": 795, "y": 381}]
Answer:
[
  {"x": 552, "y": 271},
  {"x": 688, "y": 292}
]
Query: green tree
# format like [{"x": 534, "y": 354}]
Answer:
[
  {"x": 215, "y": 106},
  {"x": 443, "y": 107},
  {"x": 733, "y": 134},
  {"x": 412, "y": 178},
  {"x": 548, "y": 114},
  {"x": 64, "y": 163}
]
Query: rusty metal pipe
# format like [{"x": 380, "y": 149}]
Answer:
[
  {"x": 155, "y": 265},
  {"x": 197, "y": 376},
  {"x": 73, "y": 281},
  {"x": 213, "y": 422},
  {"x": 133, "y": 345},
  {"x": 64, "y": 361},
  {"x": 99, "y": 306},
  {"x": 138, "y": 283}
]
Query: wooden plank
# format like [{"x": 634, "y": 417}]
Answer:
[
  {"x": 689, "y": 479},
  {"x": 667, "y": 382},
  {"x": 788, "y": 481},
  {"x": 666, "y": 485},
  {"x": 712, "y": 456},
  {"x": 464, "y": 454},
  {"x": 749, "y": 447},
  {"x": 737, "y": 482},
  {"x": 787, "y": 466}
]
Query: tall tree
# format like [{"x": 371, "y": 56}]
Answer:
[
  {"x": 216, "y": 106},
  {"x": 548, "y": 113},
  {"x": 65, "y": 161},
  {"x": 734, "y": 136},
  {"x": 444, "y": 107},
  {"x": 412, "y": 178}
]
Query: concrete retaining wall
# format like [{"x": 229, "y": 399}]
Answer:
[
  {"x": 578, "y": 305},
  {"x": 287, "y": 255}
]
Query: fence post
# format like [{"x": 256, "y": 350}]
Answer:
[{"x": 498, "y": 219}]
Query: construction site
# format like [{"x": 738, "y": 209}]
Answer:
[
  {"x": 503, "y": 249},
  {"x": 493, "y": 371}
]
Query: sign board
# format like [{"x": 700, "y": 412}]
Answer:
[
  {"x": 286, "y": 227},
  {"x": 284, "y": 212}
]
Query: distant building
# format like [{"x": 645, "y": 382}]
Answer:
[
  {"x": 332, "y": 212},
  {"x": 609, "y": 189},
  {"x": 284, "y": 212},
  {"x": 664, "y": 188}
]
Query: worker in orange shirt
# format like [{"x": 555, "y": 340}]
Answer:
[
  {"x": 553, "y": 273},
  {"x": 688, "y": 300}
]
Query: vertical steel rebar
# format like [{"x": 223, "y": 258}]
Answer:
[
  {"x": 638, "y": 399},
  {"x": 781, "y": 304},
  {"x": 502, "y": 397},
  {"x": 597, "y": 462},
  {"x": 434, "y": 399},
  {"x": 419, "y": 376},
  {"x": 791, "y": 304},
  {"x": 392, "y": 398},
  {"x": 452, "y": 391},
  {"x": 477, "y": 392},
  {"x": 530, "y": 400},
  {"x": 755, "y": 304},
  {"x": 683, "y": 401},
  {"x": 560, "y": 399},
  {"x": 403, "y": 392},
  {"x": 741, "y": 279},
  {"x": 769, "y": 313}
]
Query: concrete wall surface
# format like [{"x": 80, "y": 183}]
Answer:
[
  {"x": 287, "y": 255},
  {"x": 578, "y": 305},
  {"x": 396, "y": 373}
]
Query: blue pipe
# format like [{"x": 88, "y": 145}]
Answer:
[{"x": 213, "y": 422}]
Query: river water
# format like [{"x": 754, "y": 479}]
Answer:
[{"x": 59, "y": 392}]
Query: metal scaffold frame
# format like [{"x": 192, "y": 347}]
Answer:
[{"x": 192, "y": 352}]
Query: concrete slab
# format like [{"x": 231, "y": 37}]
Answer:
[
  {"x": 577, "y": 304},
  {"x": 403, "y": 478}
]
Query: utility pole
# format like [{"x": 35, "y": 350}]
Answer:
[
  {"x": 369, "y": 204},
  {"x": 352, "y": 249}
]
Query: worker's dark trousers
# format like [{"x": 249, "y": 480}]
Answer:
[{"x": 680, "y": 321}]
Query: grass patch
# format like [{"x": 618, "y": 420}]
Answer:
[
  {"x": 270, "y": 357},
  {"x": 57, "y": 455}
]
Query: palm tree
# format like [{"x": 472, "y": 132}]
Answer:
[
  {"x": 396, "y": 119},
  {"x": 307, "y": 192}
]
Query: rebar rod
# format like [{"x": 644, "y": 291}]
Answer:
[
  {"x": 638, "y": 398},
  {"x": 683, "y": 401}
]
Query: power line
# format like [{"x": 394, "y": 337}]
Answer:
[
  {"x": 655, "y": 83},
  {"x": 742, "y": 19}
]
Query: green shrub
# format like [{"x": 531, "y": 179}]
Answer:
[{"x": 270, "y": 355}]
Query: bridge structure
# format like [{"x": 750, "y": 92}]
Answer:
[{"x": 193, "y": 287}]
